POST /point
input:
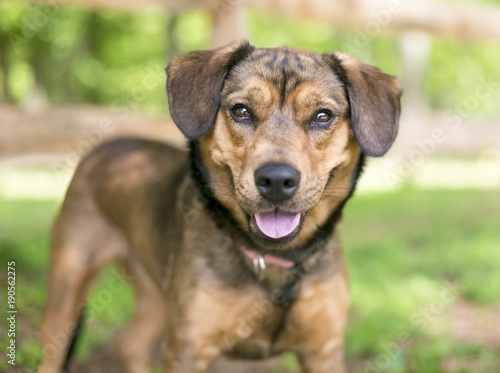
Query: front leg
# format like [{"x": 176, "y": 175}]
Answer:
[
  {"x": 315, "y": 325},
  {"x": 186, "y": 358},
  {"x": 334, "y": 363}
]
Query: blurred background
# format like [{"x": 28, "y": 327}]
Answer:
[{"x": 422, "y": 235}]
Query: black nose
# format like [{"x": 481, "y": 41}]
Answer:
[{"x": 277, "y": 183}]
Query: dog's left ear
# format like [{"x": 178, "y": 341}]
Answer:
[
  {"x": 194, "y": 85},
  {"x": 375, "y": 103}
]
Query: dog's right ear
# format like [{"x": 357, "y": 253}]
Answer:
[{"x": 194, "y": 85}]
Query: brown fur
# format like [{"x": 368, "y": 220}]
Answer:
[{"x": 178, "y": 230}]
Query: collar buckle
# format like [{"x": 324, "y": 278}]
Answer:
[{"x": 259, "y": 267}]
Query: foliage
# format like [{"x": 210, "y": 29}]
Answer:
[{"x": 103, "y": 58}]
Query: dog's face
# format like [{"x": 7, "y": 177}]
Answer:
[{"x": 281, "y": 131}]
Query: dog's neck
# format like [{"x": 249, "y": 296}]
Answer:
[{"x": 283, "y": 283}]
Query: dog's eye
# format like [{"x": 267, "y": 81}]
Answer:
[
  {"x": 321, "y": 119},
  {"x": 241, "y": 113}
]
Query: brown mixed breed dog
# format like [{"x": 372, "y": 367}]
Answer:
[{"x": 232, "y": 247}]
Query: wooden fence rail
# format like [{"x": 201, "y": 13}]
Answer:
[{"x": 460, "y": 21}]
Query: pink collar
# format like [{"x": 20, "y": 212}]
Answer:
[{"x": 268, "y": 259}]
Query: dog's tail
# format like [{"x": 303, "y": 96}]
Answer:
[{"x": 74, "y": 338}]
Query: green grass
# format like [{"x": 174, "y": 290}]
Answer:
[{"x": 411, "y": 255}]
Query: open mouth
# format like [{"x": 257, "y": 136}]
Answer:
[{"x": 276, "y": 223}]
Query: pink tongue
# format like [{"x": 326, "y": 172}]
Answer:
[{"x": 277, "y": 224}]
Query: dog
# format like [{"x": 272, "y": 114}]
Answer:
[{"x": 232, "y": 247}]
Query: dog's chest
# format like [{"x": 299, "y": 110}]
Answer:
[{"x": 255, "y": 334}]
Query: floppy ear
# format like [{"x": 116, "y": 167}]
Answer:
[
  {"x": 375, "y": 104},
  {"x": 194, "y": 84}
]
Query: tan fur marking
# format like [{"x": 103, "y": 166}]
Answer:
[{"x": 316, "y": 323}]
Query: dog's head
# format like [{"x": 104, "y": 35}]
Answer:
[{"x": 281, "y": 131}]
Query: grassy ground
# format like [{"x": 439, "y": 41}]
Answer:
[{"x": 414, "y": 257}]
